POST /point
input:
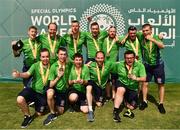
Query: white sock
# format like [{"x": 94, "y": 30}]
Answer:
[{"x": 90, "y": 108}]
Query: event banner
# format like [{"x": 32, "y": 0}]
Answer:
[{"x": 18, "y": 15}]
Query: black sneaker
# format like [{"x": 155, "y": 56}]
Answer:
[
  {"x": 90, "y": 117},
  {"x": 116, "y": 117},
  {"x": 161, "y": 109},
  {"x": 143, "y": 105},
  {"x": 129, "y": 114},
  {"x": 51, "y": 117},
  {"x": 71, "y": 110},
  {"x": 27, "y": 121}
]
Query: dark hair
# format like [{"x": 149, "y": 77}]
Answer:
[
  {"x": 147, "y": 25},
  {"x": 79, "y": 55},
  {"x": 129, "y": 52},
  {"x": 94, "y": 23},
  {"x": 54, "y": 24},
  {"x": 100, "y": 52},
  {"x": 62, "y": 49},
  {"x": 75, "y": 21},
  {"x": 44, "y": 50},
  {"x": 132, "y": 28},
  {"x": 32, "y": 27},
  {"x": 112, "y": 27}
]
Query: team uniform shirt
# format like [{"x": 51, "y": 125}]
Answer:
[
  {"x": 134, "y": 46},
  {"x": 37, "y": 83},
  {"x": 152, "y": 53},
  {"x": 74, "y": 45},
  {"x": 94, "y": 45},
  {"x": 103, "y": 72},
  {"x": 138, "y": 70},
  {"x": 28, "y": 47},
  {"x": 55, "y": 45},
  {"x": 84, "y": 74},
  {"x": 62, "y": 84},
  {"x": 110, "y": 49}
]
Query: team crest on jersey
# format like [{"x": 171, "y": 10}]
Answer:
[{"x": 105, "y": 15}]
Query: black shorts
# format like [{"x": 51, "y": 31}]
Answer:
[
  {"x": 157, "y": 71},
  {"x": 60, "y": 98},
  {"x": 130, "y": 96},
  {"x": 81, "y": 96},
  {"x": 31, "y": 96},
  {"x": 98, "y": 92}
]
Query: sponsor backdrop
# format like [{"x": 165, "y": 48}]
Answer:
[{"x": 18, "y": 15}]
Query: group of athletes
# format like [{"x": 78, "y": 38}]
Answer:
[{"x": 56, "y": 75}]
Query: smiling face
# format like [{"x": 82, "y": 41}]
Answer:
[
  {"x": 112, "y": 32},
  {"x": 32, "y": 33},
  {"x": 75, "y": 27},
  {"x": 52, "y": 29},
  {"x": 129, "y": 59},
  {"x": 99, "y": 58},
  {"x": 132, "y": 35},
  {"x": 147, "y": 30},
  {"x": 78, "y": 62},
  {"x": 62, "y": 56},
  {"x": 95, "y": 30},
  {"x": 44, "y": 57}
]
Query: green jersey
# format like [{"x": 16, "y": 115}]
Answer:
[
  {"x": 52, "y": 44},
  {"x": 83, "y": 74},
  {"x": 62, "y": 84},
  {"x": 38, "y": 84},
  {"x": 137, "y": 69},
  {"x": 31, "y": 50},
  {"x": 151, "y": 52},
  {"x": 110, "y": 48},
  {"x": 74, "y": 45},
  {"x": 100, "y": 75},
  {"x": 134, "y": 46},
  {"x": 94, "y": 45}
]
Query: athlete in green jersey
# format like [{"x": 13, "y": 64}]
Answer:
[
  {"x": 31, "y": 52},
  {"x": 37, "y": 93},
  {"x": 52, "y": 41},
  {"x": 154, "y": 65},
  {"x": 130, "y": 72},
  {"x": 78, "y": 80},
  {"x": 56, "y": 94},
  {"x": 131, "y": 42},
  {"x": 94, "y": 41},
  {"x": 74, "y": 40}
]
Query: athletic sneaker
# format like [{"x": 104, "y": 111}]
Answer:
[
  {"x": 161, "y": 109},
  {"x": 90, "y": 117},
  {"x": 51, "y": 117},
  {"x": 27, "y": 121},
  {"x": 116, "y": 117},
  {"x": 143, "y": 105},
  {"x": 129, "y": 114}
]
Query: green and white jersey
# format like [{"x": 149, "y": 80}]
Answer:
[
  {"x": 62, "y": 84},
  {"x": 151, "y": 52},
  {"x": 100, "y": 75},
  {"x": 110, "y": 49},
  {"x": 31, "y": 51},
  {"x": 94, "y": 45},
  {"x": 52, "y": 44},
  {"x": 138, "y": 70},
  {"x": 134, "y": 46},
  {"x": 38, "y": 83},
  {"x": 83, "y": 74}
]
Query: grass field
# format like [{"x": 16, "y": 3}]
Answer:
[{"x": 11, "y": 116}]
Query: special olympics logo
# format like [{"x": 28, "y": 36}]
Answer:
[{"x": 105, "y": 15}]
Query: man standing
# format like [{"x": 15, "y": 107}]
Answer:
[
  {"x": 78, "y": 80},
  {"x": 130, "y": 73},
  {"x": 31, "y": 51},
  {"x": 37, "y": 93},
  {"x": 56, "y": 94},
  {"x": 52, "y": 41},
  {"x": 94, "y": 41},
  {"x": 74, "y": 40},
  {"x": 154, "y": 65}
]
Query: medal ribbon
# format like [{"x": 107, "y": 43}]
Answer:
[
  {"x": 44, "y": 77},
  {"x": 110, "y": 47},
  {"x": 78, "y": 73},
  {"x": 96, "y": 45},
  {"x": 75, "y": 41},
  {"x": 133, "y": 46},
  {"x": 33, "y": 48},
  {"x": 98, "y": 72},
  {"x": 52, "y": 46}
]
